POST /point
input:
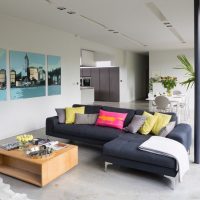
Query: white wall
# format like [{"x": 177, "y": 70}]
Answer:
[
  {"x": 162, "y": 63},
  {"x": 20, "y": 116},
  {"x": 23, "y": 115}
]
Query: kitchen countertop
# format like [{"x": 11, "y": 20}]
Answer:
[{"x": 84, "y": 88}]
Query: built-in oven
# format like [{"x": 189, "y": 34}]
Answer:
[{"x": 85, "y": 81}]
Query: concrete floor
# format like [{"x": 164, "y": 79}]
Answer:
[{"x": 88, "y": 181}]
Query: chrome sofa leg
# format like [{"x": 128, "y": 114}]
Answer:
[
  {"x": 174, "y": 181},
  {"x": 106, "y": 166}
]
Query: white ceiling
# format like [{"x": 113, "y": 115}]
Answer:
[{"x": 132, "y": 18}]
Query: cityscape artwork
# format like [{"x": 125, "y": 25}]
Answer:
[
  {"x": 2, "y": 74},
  {"x": 54, "y": 75},
  {"x": 27, "y": 75}
]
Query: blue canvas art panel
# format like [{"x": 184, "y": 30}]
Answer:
[
  {"x": 27, "y": 75},
  {"x": 54, "y": 75},
  {"x": 3, "y": 75}
]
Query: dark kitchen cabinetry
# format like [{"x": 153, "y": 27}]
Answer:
[
  {"x": 95, "y": 82},
  {"x": 105, "y": 82},
  {"x": 114, "y": 84},
  {"x": 85, "y": 72}
]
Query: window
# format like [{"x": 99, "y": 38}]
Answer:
[{"x": 103, "y": 64}]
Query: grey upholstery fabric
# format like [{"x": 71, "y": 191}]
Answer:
[
  {"x": 167, "y": 129},
  {"x": 85, "y": 118},
  {"x": 136, "y": 123},
  {"x": 61, "y": 115},
  {"x": 89, "y": 109},
  {"x": 88, "y": 131},
  {"x": 126, "y": 147}
]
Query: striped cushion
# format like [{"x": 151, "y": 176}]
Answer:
[{"x": 111, "y": 119}]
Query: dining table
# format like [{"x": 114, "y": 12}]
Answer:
[{"x": 175, "y": 101}]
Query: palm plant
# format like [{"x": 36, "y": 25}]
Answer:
[{"x": 187, "y": 66}]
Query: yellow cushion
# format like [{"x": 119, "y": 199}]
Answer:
[
  {"x": 70, "y": 114},
  {"x": 148, "y": 124},
  {"x": 162, "y": 121}
]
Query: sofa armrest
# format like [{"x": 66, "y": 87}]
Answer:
[
  {"x": 182, "y": 133},
  {"x": 50, "y": 123}
]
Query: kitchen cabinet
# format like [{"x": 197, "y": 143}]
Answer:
[
  {"x": 114, "y": 84},
  {"x": 95, "y": 82},
  {"x": 105, "y": 82},
  {"x": 85, "y": 72}
]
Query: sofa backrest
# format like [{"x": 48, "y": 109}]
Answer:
[{"x": 90, "y": 109}]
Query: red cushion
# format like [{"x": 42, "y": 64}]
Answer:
[{"x": 111, "y": 119}]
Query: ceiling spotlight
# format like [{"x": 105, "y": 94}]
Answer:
[
  {"x": 71, "y": 12},
  {"x": 111, "y": 30},
  {"x": 169, "y": 26},
  {"x": 116, "y": 32},
  {"x": 48, "y": 1},
  {"x": 61, "y": 8}
]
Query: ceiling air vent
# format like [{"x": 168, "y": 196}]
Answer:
[
  {"x": 93, "y": 21},
  {"x": 157, "y": 12}
]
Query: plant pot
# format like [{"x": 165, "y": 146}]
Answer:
[{"x": 169, "y": 93}]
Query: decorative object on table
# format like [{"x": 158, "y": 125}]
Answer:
[
  {"x": 27, "y": 75},
  {"x": 2, "y": 74},
  {"x": 6, "y": 193},
  {"x": 39, "y": 141},
  {"x": 55, "y": 145},
  {"x": 24, "y": 141},
  {"x": 39, "y": 151},
  {"x": 10, "y": 146},
  {"x": 189, "y": 69},
  {"x": 54, "y": 75},
  {"x": 155, "y": 79},
  {"x": 169, "y": 82}
]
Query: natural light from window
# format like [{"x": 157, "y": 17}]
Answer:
[{"x": 103, "y": 64}]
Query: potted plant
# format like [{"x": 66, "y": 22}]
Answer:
[
  {"x": 169, "y": 82},
  {"x": 187, "y": 66}
]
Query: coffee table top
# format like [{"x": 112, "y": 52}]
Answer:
[{"x": 19, "y": 154}]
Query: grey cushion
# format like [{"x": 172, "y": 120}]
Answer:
[
  {"x": 167, "y": 129},
  {"x": 85, "y": 118},
  {"x": 136, "y": 123},
  {"x": 61, "y": 115}
]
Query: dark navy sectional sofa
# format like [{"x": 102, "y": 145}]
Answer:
[{"x": 119, "y": 147}]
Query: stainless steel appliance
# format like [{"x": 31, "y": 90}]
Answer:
[{"x": 85, "y": 81}]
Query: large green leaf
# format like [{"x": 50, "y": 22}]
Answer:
[{"x": 189, "y": 71}]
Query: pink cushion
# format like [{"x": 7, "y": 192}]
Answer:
[{"x": 111, "y": 119}]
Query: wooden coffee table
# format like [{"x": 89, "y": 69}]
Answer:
[{"x": 39, "y": 171}]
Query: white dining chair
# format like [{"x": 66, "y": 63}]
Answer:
[
  {"x": 177, "y": 92},
  {"x": 162, "y": 104}
]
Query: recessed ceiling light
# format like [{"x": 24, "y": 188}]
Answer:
[
  {"x": 61, "y": 8},
  {"x": 71, "y": 12},
  {"x": 116, "y": 32},
  {"x": 111, "y": 30},
  {"x": 169, "y": 26}
]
